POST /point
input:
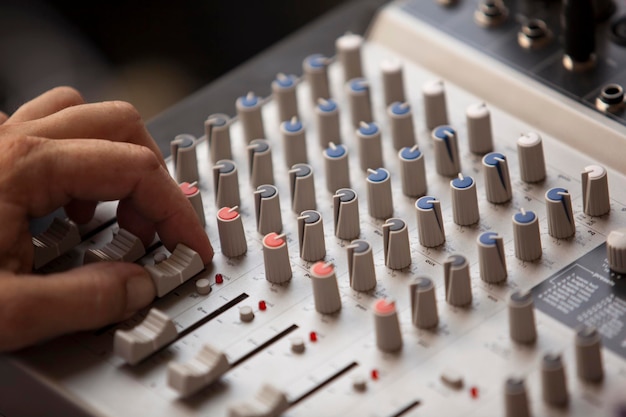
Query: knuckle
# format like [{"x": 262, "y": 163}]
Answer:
[
  {"x": 130, "y": 112},
  {"x": 147, "y": 159},
  {"x": 67, "y": 96}
]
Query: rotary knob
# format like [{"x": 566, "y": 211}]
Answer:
[
  {"x": 457, "y": 282},
  {"x": 393, "y": 81},
  {"x": 396, "y": 244},
  {"x": 359, "y": 101},
  {"x": 217, "y": 132},
  {"x": 294, "y": 142},
  {"x": 276, "y": 258},
  {"x": 479, "y": 133},
  {"x": 302, "y": 186},
  {"x": 491, "y": 258},
  {"x": 516, "y": 398},
  {"x": 250, "y": 115},
  {"x": 424, "y": 304},
  {"x": 401, "y": 125},
  {"x": 226, "y": 184},
  {"x": 464, "y": 201},
  {"x": 595, "y": 191},
  {"x": 267, "y": 209},
  {"x": 379, "y": 197},
  {"x": 348, "y": 47},
  {"x": 413, "y": 171},
  {"x": 553, "y": 381},
  {"x": 315, "y": 70},
  {"x": 361, "y": 268},
  {"x": 284, "y": 92},
  {"x": 260, "y": 166},
  {"x": 526, "y": 235},
  {"x": 370, "y": 146},
  {"x": 346, "y": 214},
  {"x": 336, "y": 167},
  {"x": 193, "y": 194},
  {"x": 497, "y": 179},
  {"x": 616, "y": 250},
  {"x": 183, "y": 149},
  {"x": 561, "y": 224},
  {"x": 589, "y": 355},
  {"x": 387, "y": 326},
  {"x": 311, "y": 236},
  {"x": 230, "y": 229},
  {"x": 325, "y": 289},
  {"x": 446, "y": 150},
  {"x": 532, "y": 164},
  {"x": 430, "y": 222},
  {"x": 435, "y": 109},
  {"x": 327, "y": 118},
  {"x": 522, "y": 326}
]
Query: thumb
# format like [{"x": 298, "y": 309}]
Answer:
[{"x": 34, "y": 308}]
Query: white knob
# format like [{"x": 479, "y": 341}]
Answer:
[
  {"x": 387, "y": 326},
  {"x": 230, "y": 229},
  {"x": 435, "y": 109},
  {"x": 553, "y": 381},
  {"x": 532, "y": 165},
  {"x": 250, "y": 115},
  {"x": 379, "y": 197},
  {"x": 527, "y": 236},
  {"x": 183, "y": 149},
  {"x": 325, "y": 289},
  {"x": 284, "y": 92},
  {"x": 302, "y": 186},
  {"x": 217, "y": 132},
  {"x": 497, "y": 179},
  {"x": 193, "y": 194},
  {"x": 561, "y": 223},
  {"x": 327, "y": 121},
  {"x": 294, "y": 142},
  {"x": 336, "y": 167},
  {"x": 174, "y": 270},
  {"x": 346, "y": 214},
  {"x": 396, "y": 244},
  {"x": 311, "y": 236},
  {"x": 616, "y": 250},
  {"x": 60, "y": 237},
  {"x": 348, "y": 48},
  {"x": 370, "y": 146},
  {"x": 491, "y": 258},
  {"x": 457, "y": 282},
  {"x": 315, "y": 70},
  {"x": 267, "y": 209},
  {"x": 401, "y": 125},
  {"x": 595, "y": 187},
  {"x": 268, "y": 402},
  {"x": 424, "y": 304},
  {"x": 154, "y": 332},
  {"x": 479, "y": 134},
  {"x": 516, "y": 398},
  {"x": 589, "y": 355},
  {"x": 359, "y": 101},
  {"x": 124, "y": 247},
  {"x": 430, "y": 222},
  {"x": 226, "y": 184},
  {"x": 413, "y": 171},
  {"x": 393, "y": 81},
  {"x": 446, "y": 150},
  {"x": 522, "y": 326},
  {"x": 361, "y": 268},
  {"x": 190, "y": 377},
  {"x": 464, "y": 201},
  {"x": 276, "y": 258},
  {"x": 260, "y": 166}
]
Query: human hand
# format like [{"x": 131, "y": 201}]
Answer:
[{"x": 56, "y": 151}]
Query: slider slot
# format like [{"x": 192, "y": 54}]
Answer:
[
  {"x": 88, "y": 235},
  {"x": 264, "y": 345},
  {"x": 406, "y": 408},
  {"x": 325, "y": 382}
]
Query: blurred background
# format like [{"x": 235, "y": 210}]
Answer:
[{"x": 152, "y": 54}]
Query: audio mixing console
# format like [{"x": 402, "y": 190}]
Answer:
[{"x": 430, "y": 222}]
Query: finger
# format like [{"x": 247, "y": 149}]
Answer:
[
  {"x": 117, "y": 121},
  {"x": 47, "y": 103},
  {"x": 36, "y": 308},
  {"x": 130, "y": 219},
  {"x": 80, "y": 211},
  {"x": 3, "y": 117},
  {"x": 56, "y": 172}
]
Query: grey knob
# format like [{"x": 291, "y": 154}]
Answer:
[
  {"x": 393, "y": 81},
  {"x": 193, "y": 194},
  {"x": 464, "y": 201},
  {"x": 260, "y": 166},
  {"x": 284, "y": 92},
  {"x": 497, "y": 179},
  {"x": 491, "y": 258},
  {"x": 387, "y": 326},
  {"x": 532, "y": 165},
  {"x": 370, "y": 146},
  {"x": 226, "y": 184},
  {"x": 401, "y": 124},
  {"x": 302, "y": 186},
  {"x": 379, "y": 197},
  {"x": 294, "y": 142},
  {"x": 315, "y": 70},
  {"x": 412, "y": 171},
  {"x": 336, "y": 167},
  {"x": 527, "y": 236},
  {"x": 430, "y": 226},
  {"x": 479, "y": 133},
  {"x": 348, "y": 49},
  {"x": 311, "y": 236},
  {"x": 267, "y": 209},
  {"x": 230, "y": 229},
  {"x": 522, "y": 326},
  {"x": 446, "y": 150},
  {"x": 561, "y": 223},
  {"x": 589, "y": 355},
  {"x": 595, "y": 187},
  {"x": 249, "y": 113},
  {"x": 616, "y": 250},
  {"x": 424, "y": 304},
  {"x": 183, "y": 149},
  {"x": 435, "y": 109},
  {"x": 457, "y": 282},
  {"x": 361, "y": 268},
  {"x": 346, "y": 214},
  {"x": 328, "y": 122},
  {"x": 217, "y": 132},
  {"x": 516, "y": 398},
  {"x": 359, "y": 101},
  {"x": 276, "y": 258},
  {"x": 396, "y": 244},
  {"x": 553, "y": 381},
  {"x": 325, "y": 289}
]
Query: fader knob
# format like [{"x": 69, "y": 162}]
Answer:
[
  {"x": 396, "y": 244},
  {"x": 424, "y": 304},
  {"x": 532, "y": 164},
  {"x": 436, "y": 111},
  {"x": 595, "y": 191},
  {"x": 325, "y": 289},
  {"x": 226, "y": 184},
  {"x": 370, "y": 146},
  {"x": 359, "y": 101},
  {"x": 522, "y": 326},
  {"x": 553, "y": 381},
  {"x": 230, "y": 228},
  {"x": 401, "y": 124},
  {"x": 589, "y": 355},
  {"x": 348, "y": 47},
  {"x": 497, "y": 179},
  {"x": 327, "y": 118},
  {"x": 430, "y": 222},
  {"x": 60, "y": 237},
  {"x": 413, "y": 171},
  {"x": 387, "y": 326},
  {"x": 302, "y": 186},
  {"x": 446, "y": 150},
  {"x": 217, "y": 132},
  {"x": 311, "y": 236},
  {"x": 561, "y": 224},
  {"x": 379, "y": 197},
  {"x": 526, "y": 235},
  {"x": 516, "y": 398},
  {"x": 361, "y": 266},
  {"x": 267, "y": 209},
  {"x": 285, "y": 95},
  {"x": 183, "y": 149},
  {"x": 491, "y": 258},
  {"x": 276, "y": 258},
  {"x": 346, "y": 214},
  {"x": 315, "y": 70},
  {"x": 464, "y": 201},
  {"x": 250, "y": 115},
  {"x": 154, "y": 332},
  {"x": 268, "y": 402},
  {"x": 457, "y": 282},
  {"x": 192, "y": 192},
  {"x": 294, "y": 142},
  {"x": 479, "y": 134},
  {"x": 393, "y": 81},
  {"x": 260, "y": 165},
  {"x": 336, "y": 167},
  {"x": 616, "y": 250}
]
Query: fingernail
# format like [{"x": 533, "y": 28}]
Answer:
[{"x": 140, "y": 292}]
